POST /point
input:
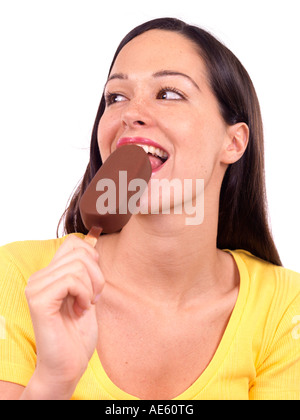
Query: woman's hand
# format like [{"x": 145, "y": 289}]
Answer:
[{"x": 61, "y": 299}]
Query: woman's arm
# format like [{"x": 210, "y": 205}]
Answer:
[
  {"x": 61, "y": 300},
  {"x": 34, "y": 391},
  {"x": 9, "y": 391}
]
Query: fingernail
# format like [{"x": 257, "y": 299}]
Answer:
[{"x": 96, "y": 298}]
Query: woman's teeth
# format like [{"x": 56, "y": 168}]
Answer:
[{"x": 154, "y": 151}]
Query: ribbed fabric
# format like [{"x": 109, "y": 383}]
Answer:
[{"x": 258, "y": 357}]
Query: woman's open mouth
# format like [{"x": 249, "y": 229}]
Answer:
[{"x": 157, "y": 155}]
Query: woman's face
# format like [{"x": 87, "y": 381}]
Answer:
[{"x": 158, "y": 92}]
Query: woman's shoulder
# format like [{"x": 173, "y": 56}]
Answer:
[
  {"x": 29, "y": 256},
  {"x": 269, "y": 282}
]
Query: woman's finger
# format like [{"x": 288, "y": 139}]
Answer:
[
  {"x": 71, "y": 243},
  {"x": 78, "y": 261},
  {"x": 49, "y": 300}
]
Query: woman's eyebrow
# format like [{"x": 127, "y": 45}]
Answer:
[
  {"x": 163, "y": 73},
  {"x": 120, "y": 76}
]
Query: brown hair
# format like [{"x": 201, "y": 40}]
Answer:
[{"x": 243, "y": 221}]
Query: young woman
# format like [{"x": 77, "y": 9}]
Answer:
[{"x": 162, "y": 309}]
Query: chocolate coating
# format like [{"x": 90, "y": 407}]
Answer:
[{"x": 135, "y": 162}]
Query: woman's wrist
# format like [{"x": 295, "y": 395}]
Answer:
[{"x": 40, "y": 388}]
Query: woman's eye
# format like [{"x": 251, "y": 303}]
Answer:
[
  {"x": 169, "y": 94},
  {"x": 113, "y": 98}
]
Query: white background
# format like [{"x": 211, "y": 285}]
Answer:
[{"x": 55, "y": 57}]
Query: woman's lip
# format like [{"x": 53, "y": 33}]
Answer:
[{"x": 139, "y": 140}]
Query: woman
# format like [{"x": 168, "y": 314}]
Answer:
[{"x": 162, "y": 309}]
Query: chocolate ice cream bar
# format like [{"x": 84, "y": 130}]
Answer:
[{"x": 104, "y": 205}]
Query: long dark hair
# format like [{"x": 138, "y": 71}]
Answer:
[{"x": 243, "y": 217}]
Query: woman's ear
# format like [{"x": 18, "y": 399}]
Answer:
[{"x": 236, "y": 143}]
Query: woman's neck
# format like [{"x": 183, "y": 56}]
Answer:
[{"x": 163, "y": 259}]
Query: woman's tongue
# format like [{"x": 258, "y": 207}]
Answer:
[{"x": 155, "y": 162}]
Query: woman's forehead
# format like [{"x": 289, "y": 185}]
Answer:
[{"x": 159, "y": 50}]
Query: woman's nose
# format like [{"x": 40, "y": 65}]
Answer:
[{"x": 136, "y": 115}]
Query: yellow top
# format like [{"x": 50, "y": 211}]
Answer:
[{"x": 257, "y": 359}]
